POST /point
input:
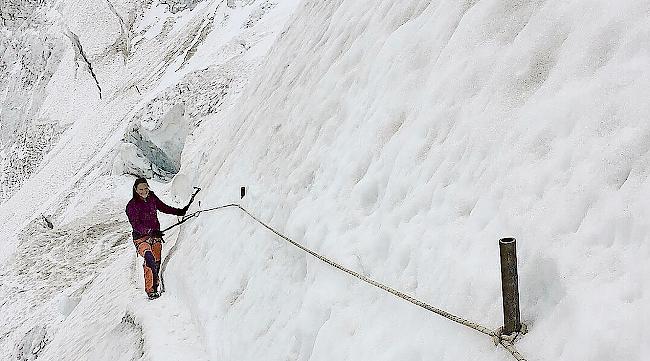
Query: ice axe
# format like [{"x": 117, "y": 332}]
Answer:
[
  {"x": 196, "y": 190},
  {"x": 242, "y": 193}
]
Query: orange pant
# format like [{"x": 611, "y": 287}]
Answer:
[{"x": 151, "y": 269}]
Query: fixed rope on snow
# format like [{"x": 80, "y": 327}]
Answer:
[{"x": 496, "y": 335}]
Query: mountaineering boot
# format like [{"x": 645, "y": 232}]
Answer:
[{"x": 153, "y": 295}]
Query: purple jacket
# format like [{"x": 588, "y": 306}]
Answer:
[{"x": 142, "y": 214}]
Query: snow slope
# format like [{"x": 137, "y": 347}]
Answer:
[{"x": 401, "y": 139}]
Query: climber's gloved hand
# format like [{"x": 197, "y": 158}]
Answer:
[
  {"x": 184, "y": 210},
  {"x": 156, "y": 234}
]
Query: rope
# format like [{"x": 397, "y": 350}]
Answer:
[{"x": 505, "y": 341}]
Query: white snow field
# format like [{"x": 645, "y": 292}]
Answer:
[{"x": 401, "y": 139}]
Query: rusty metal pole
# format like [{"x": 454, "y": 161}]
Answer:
[{"x": 509, "y": 285}]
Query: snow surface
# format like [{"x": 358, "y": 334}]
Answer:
[{"x": 400, "y": 139}]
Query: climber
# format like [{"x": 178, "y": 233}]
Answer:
[{"x": 147, "y": 236}]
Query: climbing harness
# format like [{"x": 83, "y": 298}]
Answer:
[{"x": 505, "y": 340}]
